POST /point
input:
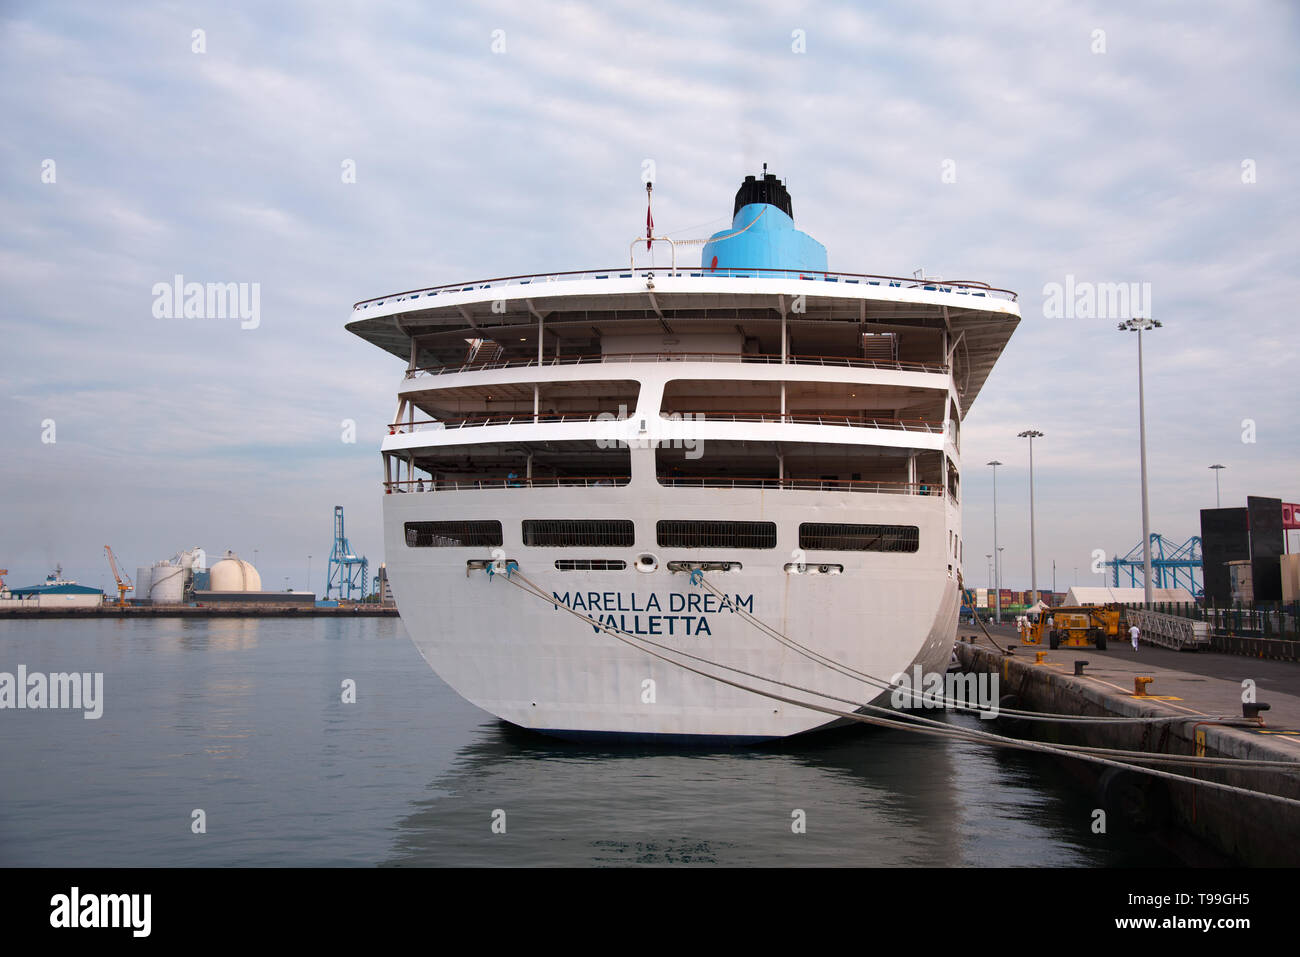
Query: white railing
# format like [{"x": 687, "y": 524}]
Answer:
[
  {"x": 668, "y": 481},
  {"x": 599, "y": 358},
  {"x": 959, "y": 287},
  {"x": 510, "y": 481},
  {"x": 775, "y": 418}
]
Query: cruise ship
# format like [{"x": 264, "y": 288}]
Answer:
[{"x": 652, "y": 501}]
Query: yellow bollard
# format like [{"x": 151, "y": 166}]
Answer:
[
  {"x": 1040, "y": 657},
  {"x": 1140, "y": 685}
]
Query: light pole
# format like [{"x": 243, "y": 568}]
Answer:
[
  {"x": 1217, "y": 470},
  {"x": 997, "y": 584},
  {"x": 1139, "y": 326},
  {"x": 309, "y": 573},
  {"x": 1032, "y": 434}
]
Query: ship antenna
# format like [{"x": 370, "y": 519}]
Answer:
[{"x": 649, "y": 220}]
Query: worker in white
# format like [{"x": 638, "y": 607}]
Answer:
[{"x": 1133, "y": 633}]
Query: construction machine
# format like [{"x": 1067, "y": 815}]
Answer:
[
  {"x": 1077, "y": 626},
  {"x": 124, "y": 583}
]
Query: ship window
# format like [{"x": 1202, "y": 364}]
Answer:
[
  {"x": 590, "y": 565},
  {"x": 564, "y": 533},
  {"x": 462, "y": 534},
  {"x": 673, "y": 533},
  {"x": 859, "y": 538}
]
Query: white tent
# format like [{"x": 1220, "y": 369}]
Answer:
[{"x": 1105, "y": 595}]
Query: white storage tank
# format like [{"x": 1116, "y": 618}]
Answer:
[
  {"x": 142, "y": 578},
  {"x": 232, "y": 573},
  {"x": 166, "y": 584}
]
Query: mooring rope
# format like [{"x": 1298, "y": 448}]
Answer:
[
  {"x": 1096, "y": 755},
  {"x": 883, "y": 685}
]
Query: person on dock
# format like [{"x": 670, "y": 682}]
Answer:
[{"x": 1133, "y": 633}]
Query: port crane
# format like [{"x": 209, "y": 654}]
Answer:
[{"x": 124, "y": 583}]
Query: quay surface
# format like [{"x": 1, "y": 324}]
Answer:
[{"x": 1204, "y": 688}]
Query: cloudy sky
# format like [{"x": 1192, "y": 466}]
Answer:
[{"x": 1160, "y": 150}]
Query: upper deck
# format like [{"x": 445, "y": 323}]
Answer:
[{"x": 763, "y": 316}]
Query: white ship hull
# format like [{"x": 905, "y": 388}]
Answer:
[
  {"x": 789, "y": 433},
  {"x": 520, "y": 658}
]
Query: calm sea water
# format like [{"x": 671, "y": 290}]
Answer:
[{"x": 243, "y": 719}]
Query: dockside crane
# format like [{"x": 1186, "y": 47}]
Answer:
[{"x": 124, "y": 583}]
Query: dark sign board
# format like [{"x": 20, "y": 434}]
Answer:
[
  {"x": 1265, "y": 547},
  {"x": 1225, "y": 537}
]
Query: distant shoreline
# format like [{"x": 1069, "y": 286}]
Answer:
[{"x": 203, "y": 611}]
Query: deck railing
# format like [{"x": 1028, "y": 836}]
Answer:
[
  {"x": 850, "y": 362},
  {"x": 510, "y": 481},
  {"x": 668, "y": 481},
  {"x": 800, "y": 484},
  {"x": 776, "y": 418},
  {"x": 960, "y": 287},
  {"x": 510, "y": 418},
  {"x": 810, "y": 418}
]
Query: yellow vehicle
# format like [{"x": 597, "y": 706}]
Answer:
[{"x": 1076, "y": 626}]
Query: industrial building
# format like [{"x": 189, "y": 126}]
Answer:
[
  {"x": 54, "y": 592},
  {"x": 1244, "y": 550},
  {"x": 59, "y": 595}
]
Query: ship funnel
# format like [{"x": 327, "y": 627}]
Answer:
[
  {"x": 768, "y": 190},
  {"x": 762, "y": 234}
]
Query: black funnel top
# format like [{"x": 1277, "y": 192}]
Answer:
[{"x": 766, "y": 190}]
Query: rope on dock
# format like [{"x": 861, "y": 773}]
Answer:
[
  {"x": 1096, "y": 756},
  {"x": 883, "y": 685}
]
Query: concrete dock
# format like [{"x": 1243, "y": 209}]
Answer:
[
  {"x": 202, "y": 611},
  {"x": 1205, "y": 689}
]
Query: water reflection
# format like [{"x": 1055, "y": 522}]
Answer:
[{"x": 869, "y": 797}]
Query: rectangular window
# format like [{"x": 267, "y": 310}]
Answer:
[
  {"x": 579, "y": 533},
  {"x": 461, "y": 534},
  {"x": 859, "y": 538},
  {"x": 673, "y": 533}
]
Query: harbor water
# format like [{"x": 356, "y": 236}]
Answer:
[{"x": 245, "y": 722}]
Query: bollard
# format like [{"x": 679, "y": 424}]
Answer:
[
  {"x": 1140, "y": 683},
  {"x": 1040, "y": 657},
  {"x": 1078, "y": 667},
  {"x": 1253, "y": 709}
]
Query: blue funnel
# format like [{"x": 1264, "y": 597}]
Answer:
[{"x": 762, "y": 235}]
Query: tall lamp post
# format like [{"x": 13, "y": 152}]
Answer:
[
  {"x": 997, "y": 568},
  {"x": 1032, "y": 434},
  {"x": 1139, "y": 326},
  {"x": 1217, "y": 470}
]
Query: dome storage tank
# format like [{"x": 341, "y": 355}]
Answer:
[{"x": 232, "y": 573}]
